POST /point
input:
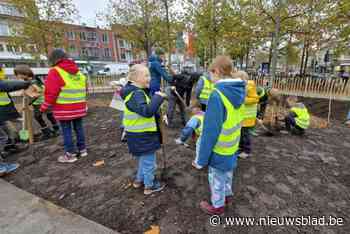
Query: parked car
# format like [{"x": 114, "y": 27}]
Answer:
[{"x": 114, "y": 69}]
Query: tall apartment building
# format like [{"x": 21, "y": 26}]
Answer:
[{"x": 83, "y": 43}]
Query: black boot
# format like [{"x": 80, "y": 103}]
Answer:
[
  {"x": 55, "y": 132},
  {"x": 45, "y": 134}
]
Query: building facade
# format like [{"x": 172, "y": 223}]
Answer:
[{"x": 84, "y": 44}]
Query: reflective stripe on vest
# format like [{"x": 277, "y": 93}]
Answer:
[
  {"x": 74, "y": 90},
  {"x": 228, "y": 141},
  {"x": 303, "y": 118},
  {"x": 250, "y": 111},
  {"x": 4, "y": 99},
  {"x": 207, "y": 89},
  {"x": 134, "y": 122},
  {"x": 200, "y": 117}
]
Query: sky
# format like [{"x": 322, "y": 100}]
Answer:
[{"x": 88, "y": 9}]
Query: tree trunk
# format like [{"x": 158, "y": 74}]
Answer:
[
  {"x": 270, "y": 56},
  {"x": 275, "y": 48},
  {"x": 168, "y": 31},
  {"x": 306, "y": 58},
  {"x": 302, "y": 61},
  {"x": 247, "y": 58}
]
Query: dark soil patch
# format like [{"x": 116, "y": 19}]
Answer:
[{"x": 286, "y": 176}]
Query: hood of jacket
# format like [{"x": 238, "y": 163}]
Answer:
[
  {"x": 127, "y": 89},
  {"x": 154, "y": 58},
  {"x": 69, "y": 66},
  {"x": 233, "y": 89}
]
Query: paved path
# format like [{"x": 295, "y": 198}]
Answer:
[{"x": 24, "y": 213}]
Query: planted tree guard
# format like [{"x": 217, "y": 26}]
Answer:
[{"x": 336, "y": 89}]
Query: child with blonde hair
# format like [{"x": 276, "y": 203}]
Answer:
[
  {"x": 250, "y": 113},
  {"x": 140, "y": 123}
]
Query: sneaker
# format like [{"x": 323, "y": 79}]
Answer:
[
  {"x": 137, "y": 184},
  {"x": 211, "y": 210},
  {"x": 3, "y": 169},
  {"x": 157, "y": 187},
  {"x": 6, "y": 168},
  {"x": 347, "y": 123},
  {"x": 67, "y": 158},
  {"x": 284, "y": 132},
  {"x": 195, "y": 165},
  {"x": 83, "y": 153},
  {"x": 243, "y": 155}
]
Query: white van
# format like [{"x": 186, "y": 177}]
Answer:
[{"x": 114, "y": 69}]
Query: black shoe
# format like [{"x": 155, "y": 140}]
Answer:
[
  {"x": 45, "y": 134},
  {"x": 54, "y": 133}
]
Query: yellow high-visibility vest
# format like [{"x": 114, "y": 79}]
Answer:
[
  {"x": 200, "y": 117},
  {"x": 134, "y": 122},
  {"x": 228, "y": 141},
  {"x": 303, "y": 117},
  {"x": 74, "y": 90},
  {"x": 4, "y": 99},
  {"x": 208, "y": 87}
]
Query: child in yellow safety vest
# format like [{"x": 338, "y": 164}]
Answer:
[
  {"x": 140, "y": 123},
  {"x": 250, "y": 112},
  {"x": 193, "y": 128},
  {"x": 220, "y": 135},
  {"x": 298, "y": 118},
  {"x": 24, "y": 72},
  {"x": 204, "y": 88}
]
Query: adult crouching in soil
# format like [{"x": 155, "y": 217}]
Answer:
[
  {"x": 221, "y": 133},
  {"x": 65, "y": 93}
]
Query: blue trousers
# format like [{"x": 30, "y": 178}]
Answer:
[
  {"x": 67, "y": 126},
  {"x": 146, "y": 169},
  {"x": 220, "y": 183}
]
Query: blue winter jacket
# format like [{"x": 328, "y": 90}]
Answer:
[
  {"x": 146, "y": 142},
  {"x": 157, "y": 73},
  {"x": 215, "y": 116}
]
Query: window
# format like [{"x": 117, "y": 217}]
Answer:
[
  {"x": 4, "y": 29},
  {"x": 123, "y": 56},
  {"x": 107, "y": 52},
  {"x": 70, "y": 35},
  {"x": 93, "y": 52},
  {"x": 121, "y": 43},
  {"x": 105, "y": 38},
  {"x": 6, "y": 9},
  {"x": 84, "y": 52},
  {"x": 2, "y": 48},
  {"x": 82, "y": 36},
  {"x": 91, "y": 36}
]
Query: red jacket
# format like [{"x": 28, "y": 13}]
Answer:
[{"x": 53, "y": 85}]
